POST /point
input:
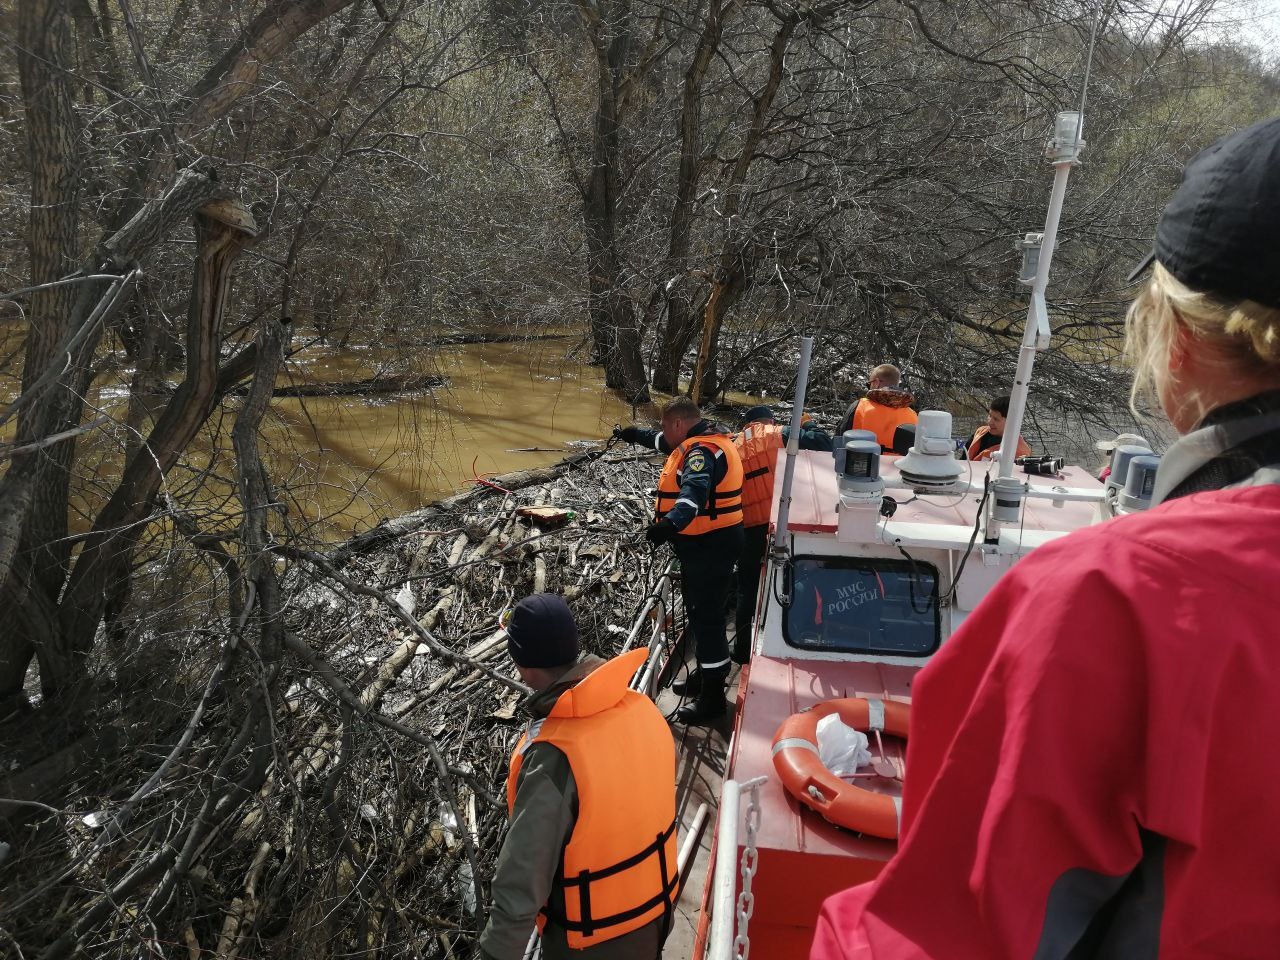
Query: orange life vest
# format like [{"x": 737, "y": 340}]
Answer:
[
  {"x": 618, "y": 872},
  {"x": 758, "y": 447},
  {"x": 724, "y": 501},
  {"x": 881, "y": 420},
  {"x": 974, "y": 453}
]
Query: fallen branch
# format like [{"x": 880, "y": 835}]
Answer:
[
  {"x": 335, "y": 683},
  {"x": 323, "y": 565}
]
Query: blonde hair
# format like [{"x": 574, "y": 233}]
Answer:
[{"x": 1246, "y": 334}]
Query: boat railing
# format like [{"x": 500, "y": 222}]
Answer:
[
  {"x": 731, "y": 908},
  {"x": 658, "y": 617}
]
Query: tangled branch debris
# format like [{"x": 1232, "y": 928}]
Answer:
[{"x": 343, "y": 797}]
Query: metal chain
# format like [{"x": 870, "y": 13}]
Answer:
[{"x": 750, "y": 861}]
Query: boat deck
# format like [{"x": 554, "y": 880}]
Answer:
[
  {"x": 803, "y": 858},
  {"x": 815, "y": 494},
  {"x": 702, "y": 754}
]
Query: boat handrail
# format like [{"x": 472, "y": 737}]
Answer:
[
  {"x": 659, "y": 611},
  {"x": 728, "y": 918}
]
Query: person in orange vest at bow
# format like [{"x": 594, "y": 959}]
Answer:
[
  {"x": 699, "y": 512},
  {"x": 590, "y": 855},
  {"x": 884, "y": 409},
  {"x": 987, "y": 438},
  {"x": 758, "y": 444}
]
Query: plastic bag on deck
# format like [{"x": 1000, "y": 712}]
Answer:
[{"x": 841, "y": 748}]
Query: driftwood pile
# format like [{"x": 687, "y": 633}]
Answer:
[{"x": 371, "y": 824}]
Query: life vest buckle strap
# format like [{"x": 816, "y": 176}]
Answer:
[
  {"x": 667, "y": 906},
  {"x": 596, "y": 924},
  {"x": 627, "y": 864},
  {"x": 584, "y": 902}
]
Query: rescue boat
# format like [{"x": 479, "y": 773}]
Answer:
[
  {"x": 852, "y": 605},
  {"x": 875, "y": 561}
]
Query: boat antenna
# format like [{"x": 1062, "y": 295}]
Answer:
[
  {"x": 1063, "y": 153},
  {"x": 793, "y": 446},
  {"x": 1088, "y": 62}
]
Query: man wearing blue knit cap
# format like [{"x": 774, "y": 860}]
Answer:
[{"x": 590, "y": 855}]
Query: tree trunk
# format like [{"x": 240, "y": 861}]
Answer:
[
  {"x": 682, "y": 321},
  {"x": 223, "y": 229},
  {"x": 733, "y": 273},
  {"x": 46, "y": 65},
  {"x": 726, "y": 290},
  {"x": 254, "y": 488},
  {"x": 33, "y": 494},
  {"x": 615, "y": 334},
  {"x": 34, "y": 548}
]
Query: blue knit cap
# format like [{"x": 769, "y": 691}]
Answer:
[{"x": 541, "y": 632}]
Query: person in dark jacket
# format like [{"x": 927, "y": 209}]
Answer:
[
  {"x": 588, "y": 740},
  {"x": 699, "y": 512},
  {"x": 1093, "y": 766},
  {"x": 758, "y": 442}
]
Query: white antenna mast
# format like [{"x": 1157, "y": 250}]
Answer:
[{"x": 1063, "y": 152}]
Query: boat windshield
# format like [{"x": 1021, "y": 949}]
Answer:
[{"x": 862, "y": 605}]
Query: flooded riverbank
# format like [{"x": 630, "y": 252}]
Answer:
[
  {"x": 343, "y": 463},
  {"x": 350, "y": 461}
]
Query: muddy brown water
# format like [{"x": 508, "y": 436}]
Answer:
[
  {"x": 357, "y": 460},
  {"x": 344, "y": 463}
]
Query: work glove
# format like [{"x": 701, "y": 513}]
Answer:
[
  {"x": 664, "y": 531},
  {"x": 629, "y": 434}
]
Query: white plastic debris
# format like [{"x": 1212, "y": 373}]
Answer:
[
  {"x": 406, "y": 600},
  {"x": 468, "y": 888},
  {"x": 444, "y": 813},
  {"x": 95, "y": 819},
  {"x": 841, "y": 748}
]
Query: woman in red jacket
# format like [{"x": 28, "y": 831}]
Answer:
[{"x": 1094, "y": 760}]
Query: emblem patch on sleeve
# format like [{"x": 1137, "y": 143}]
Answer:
[{"x": 697, "y": 461}]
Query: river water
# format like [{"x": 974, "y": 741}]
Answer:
[
  {"x": 351, "y": 461},
  {"x": 343, "y": 463}
]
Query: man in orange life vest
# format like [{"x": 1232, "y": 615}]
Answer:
[
  {"x": 758, "y": 445},
  {"x": 590, "y": 855},
  {"x": 884, "y": 409},
  {"x": 699, "y": 512},
  {"x": 986, "y": 439}
]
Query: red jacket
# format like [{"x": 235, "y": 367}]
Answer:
[{"x": 1094, "y": 761}]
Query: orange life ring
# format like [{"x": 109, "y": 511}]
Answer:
[{"x": 795, "y": 757}]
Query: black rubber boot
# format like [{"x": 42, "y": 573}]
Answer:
[
  {"x": 741, "y": 652},
  {"x": 710, "y": 705},
  {"x": 690, "y": 685}
]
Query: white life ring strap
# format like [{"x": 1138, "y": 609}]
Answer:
[
  {"x": 875, "y": 714},
  {"x": 790, "y": 742}
]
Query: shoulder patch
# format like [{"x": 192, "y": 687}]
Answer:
[{"x": 696, "y": 461}]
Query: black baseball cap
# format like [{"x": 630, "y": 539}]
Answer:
[
  {"x": 1220, "y": 232},
  {"x": 757, "y": 413},
  {"x": 541, "y": 632}
]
